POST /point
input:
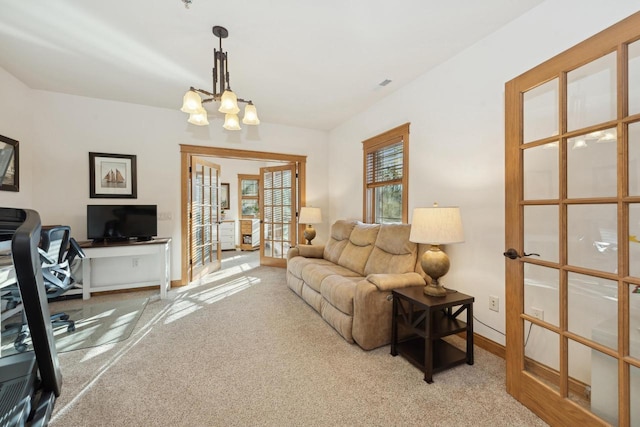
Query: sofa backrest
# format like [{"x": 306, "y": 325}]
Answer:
[
  {"x": 340, "y": 232},
  {"x": 359, "y": 246},
  {"x": 392, "y": 251},
  {"x": 373, "y": 248}
]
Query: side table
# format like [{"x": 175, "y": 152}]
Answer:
[{"x": 424, "y": 321}]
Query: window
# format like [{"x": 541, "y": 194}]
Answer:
[
  {"x": 386, "y": 164},
  {"x": 248, "y": 187}
]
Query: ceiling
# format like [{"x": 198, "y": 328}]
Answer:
[{"x": 312, "y": 64}]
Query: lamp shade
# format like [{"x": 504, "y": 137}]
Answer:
[
  {"x": 191, "y": 102},
  {"x": 229, "y": 103},
  {"x": 231, "y": 122},
  {"x": 436, "y": 225},
  {"x": 309, "y": 215},
  {"x": 250, "y": 115}
]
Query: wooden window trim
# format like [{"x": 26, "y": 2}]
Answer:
[
  {"x": 378, "y": 142},
  {"x": 243, "y": 177}
]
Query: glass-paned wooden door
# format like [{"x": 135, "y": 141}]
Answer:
[
  {"x": 204, "y": 213},
  {"x": 277, "y": 212},
  {"x": 573, "y": 218}
]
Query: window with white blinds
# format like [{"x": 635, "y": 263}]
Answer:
[
  {"x": 386, "y": 160},
  {"x": 385, "y": 165}
]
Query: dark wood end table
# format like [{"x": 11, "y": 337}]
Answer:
[{"x": 425, "y": 321}]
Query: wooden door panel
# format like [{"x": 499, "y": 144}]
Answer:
[
  {"x": 567, "y": 197},
  {"x": 204, "y": 210},
  {"x": 278, "y": 205}
]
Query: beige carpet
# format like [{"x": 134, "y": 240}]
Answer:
[
  {"x": 244, "y": 350},
  {"x": 96, "y": 323}
]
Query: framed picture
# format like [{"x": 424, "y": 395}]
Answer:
[
  {"x": 224, "y": 195},
  {"x": 9, "y": 164},
  {"x": 112, "y": 176}
]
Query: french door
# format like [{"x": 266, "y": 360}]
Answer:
[
  {"x": 573, "y": 230},
  {"x": 204, "y": 212},
  {"x": 277, "y": 213},
  {"x": 187, "y": 152}
]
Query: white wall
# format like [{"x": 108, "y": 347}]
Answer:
[
  {"x": 457, "y": 138},
  {"x": 15, "y": 116},
  {"x": 57, "y": 131}
]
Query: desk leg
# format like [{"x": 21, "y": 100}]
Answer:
[
  {"x": 163, "y": 253},
  {"x": 428, "y": 348},
  {"x": 470, "y": 334},
  {"x": 86, "y": 278}
]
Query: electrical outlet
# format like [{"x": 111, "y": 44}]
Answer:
[
  {"x": 135, "y": 262},
  {"x": 164, "y": 216},
  {"x": 494, "y": 303},
  {"x": 538, "y": 313}
]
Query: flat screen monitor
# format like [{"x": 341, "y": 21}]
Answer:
[{"x": 122, "y": 222}]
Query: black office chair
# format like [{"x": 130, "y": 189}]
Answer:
[
  {"x": 57, "y": 252},
  {"x": 11, "y": 294}
]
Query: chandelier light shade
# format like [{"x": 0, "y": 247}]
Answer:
[
  {"x": 229, "y": 103},
  {"x": 436, "y": 226},
  {"x": 199, "y": 118},
  {"x": 191, "y": 102},
  {"x": 231, "y": 122},
  {"x": 222, "y": 93},
  {"x": 250, "y": 115}
]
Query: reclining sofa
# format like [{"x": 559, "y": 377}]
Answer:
[{"x": 349, "y": 280}]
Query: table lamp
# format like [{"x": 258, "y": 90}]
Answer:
[
  {"x": 309, "y": 215},
  {"x": 436, "y": 226}
]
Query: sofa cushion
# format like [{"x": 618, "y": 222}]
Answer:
[
  {"x": 296, "y": 264},
  {"x": 339, "y": 292},
  {"x": 393, "y": 252},
  {"x": 359, "y": 247},
  {"x": 341, "y": 322},
  {"x": 314, "y": 274},
  {"x": 311, "y": 297},
  {"x": 340, "y": 232}
]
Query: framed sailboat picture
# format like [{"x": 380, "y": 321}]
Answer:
[{"x": 112, "y": 176}]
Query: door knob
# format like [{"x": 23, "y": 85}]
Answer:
[{"x": 513, "y": 254}]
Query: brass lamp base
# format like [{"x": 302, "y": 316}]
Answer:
[
  {"x": 435, "y": 263},
  {"x": 309, "y": 233}
]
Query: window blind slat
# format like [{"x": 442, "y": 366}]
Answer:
[{"x": 385, "y": 164}]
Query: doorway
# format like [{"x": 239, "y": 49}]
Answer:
[
  {"x": 204, "y": 227},
  {"x": 573, "y": 204},
  {"x": 189, "y": 151}
]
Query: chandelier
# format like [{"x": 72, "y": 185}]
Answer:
[{"x": 192, "y": 102}]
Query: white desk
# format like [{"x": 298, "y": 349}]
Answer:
[{"x": 159, "y": 248}]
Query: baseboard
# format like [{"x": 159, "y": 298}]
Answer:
[
  {"x": 490, "y": 345},
  {"x": 124, "y": 291},
  {"x": 487, "y": 344}
]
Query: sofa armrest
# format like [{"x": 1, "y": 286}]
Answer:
[
  {"x": 387, "y": 282},
  {"x": 307, "y": 251},
  {"x": 293, "y": 251},
  {"x": 311, "y": 251}
]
